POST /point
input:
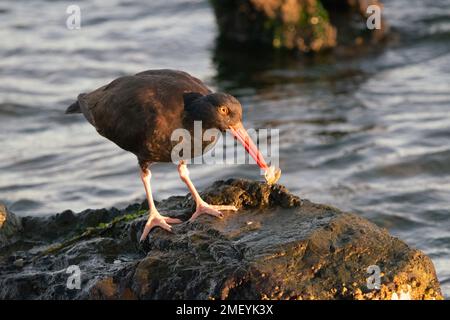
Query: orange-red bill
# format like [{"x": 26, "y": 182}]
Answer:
[{"x": 241, "y": 134}]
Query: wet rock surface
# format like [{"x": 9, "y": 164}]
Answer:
[
  {"x": 299, "y": 25},
  {"x": 276, "y": 246}
]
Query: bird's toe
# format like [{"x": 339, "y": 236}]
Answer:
[
  {"x": 212, "y": 210},
  {"x": 224, "y": 207},
  {"x": 172, "y": 220},
  {"x": 157, "y": 220}
]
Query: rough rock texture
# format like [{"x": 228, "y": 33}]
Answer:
[
  {"x": 303, "y": 25},
  {"x": 275, "y": 247}
]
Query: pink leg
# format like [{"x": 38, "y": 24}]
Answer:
[
  {"x": 155, "y": 219},
  {"x": 202, "y": 206}
]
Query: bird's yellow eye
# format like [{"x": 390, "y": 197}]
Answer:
[{"x": 223, "y": 110}]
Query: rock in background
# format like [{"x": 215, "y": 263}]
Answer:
[
  {"x": 10, "y": 225},
  {"x": 276, "y": 246},
  {"x": 299, "y": 25}
]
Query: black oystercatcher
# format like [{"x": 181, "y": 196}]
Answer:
[{"x": 139, "y": 114}]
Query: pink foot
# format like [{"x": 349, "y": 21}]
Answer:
[
  {"x": 213, "y": 210},
  {"x": 157, "y": 220}
]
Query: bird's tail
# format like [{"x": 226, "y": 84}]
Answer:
[{"x": 74, "y": 108}]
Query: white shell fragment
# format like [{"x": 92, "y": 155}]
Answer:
[{"x": 272, "y": 175}]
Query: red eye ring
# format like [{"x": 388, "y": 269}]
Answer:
[{"x": 223, "y": 110}]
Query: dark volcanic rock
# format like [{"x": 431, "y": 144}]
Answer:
[
  {"x": 301, "y": 25},
  {"x": 276, "y": 246}
]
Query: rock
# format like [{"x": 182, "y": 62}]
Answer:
[
  {"x": 301, "y": 25},
  {"x": 19, "y": 263},
  {"x": 9, "y": 225},
  {"x": 276, "y": 246}
]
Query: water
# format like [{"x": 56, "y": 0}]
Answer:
[{"x": 369, "y": 134}]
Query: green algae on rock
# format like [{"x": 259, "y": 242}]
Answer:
[
  {"x": 301, "y": 25},
  {"x": 277, "y": 246}
]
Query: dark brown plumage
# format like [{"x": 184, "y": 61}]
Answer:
[{"x": 139, "y": 113}]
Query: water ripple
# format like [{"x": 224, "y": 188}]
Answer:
[{"x": 367, "y": 134}]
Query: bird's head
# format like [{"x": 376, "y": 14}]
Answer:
[
  {"x": 224, "y": 112},
  {"x": 215, "y": 110}
]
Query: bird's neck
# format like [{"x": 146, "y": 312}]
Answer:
[{"x": 190, "y": 124}]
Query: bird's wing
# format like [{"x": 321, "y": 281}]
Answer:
[
  {"x": 175, "y": 74},
  {"x": 133, "y": 109}
]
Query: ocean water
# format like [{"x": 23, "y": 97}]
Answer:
[{"x": 368, "y": 133}]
